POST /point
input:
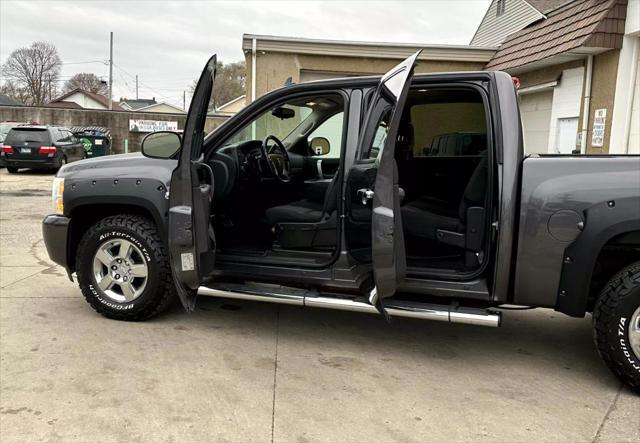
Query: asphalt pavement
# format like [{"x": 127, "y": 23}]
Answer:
[{"x": 243, "y": 371}]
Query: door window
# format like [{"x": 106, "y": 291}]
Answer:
[
  {"x": 445, "y": 123},
  {"x": 332, "y": 129},
  {"x": 64, "y": 136}
]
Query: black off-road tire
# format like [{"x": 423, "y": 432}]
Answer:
[
  {"x": 159, "y": 291},
  {"x": 611, "y": 317},
  {"x": 11, "y": 170}
]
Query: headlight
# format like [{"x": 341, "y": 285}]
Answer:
[{"x": 56, "y": 195}]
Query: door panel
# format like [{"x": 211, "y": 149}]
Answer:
[
  {"x": 191, "y": 241},
  {"x": 376, "y": 169}
]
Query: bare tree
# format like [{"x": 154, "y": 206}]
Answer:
[
  {"x": 34, "y": 69},
  {"x": 10, "y": 89},
  {"x": 86, "y": 81},
  {"x": 229, "y": 84}
]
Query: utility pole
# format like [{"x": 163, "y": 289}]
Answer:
[
  {"x": 136, "y": 86},
  {"x": 111, "y": 71},
  {"x": 184, "y": 100}
]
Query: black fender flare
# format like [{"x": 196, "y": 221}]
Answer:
[
  {"x": 146, "y": 194},
  {"x": 603, "y": 222}
]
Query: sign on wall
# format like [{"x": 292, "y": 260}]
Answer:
[
  {"x": 152, "y": 125},
  {"x": 599, "y": 123}
]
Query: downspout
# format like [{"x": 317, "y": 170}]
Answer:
[
  {"x": 254, "y": 45},
  {"x": 632, "y": 93},
  {"x": 253, "y": 68},
  {"x": 586, "y": 106}
]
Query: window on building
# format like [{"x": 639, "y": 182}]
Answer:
[{"x": 501, "y": 6}]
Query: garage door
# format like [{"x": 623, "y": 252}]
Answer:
[
  {"x": 535, "y": 109},
  {"x": 634, "y": 133}
]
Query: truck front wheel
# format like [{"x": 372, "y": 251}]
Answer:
[
  {"x": 616, "y": 320},
  {"x": 123, "y": 268}
]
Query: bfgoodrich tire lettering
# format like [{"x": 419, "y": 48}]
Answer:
[
  {"x": 612, "y": 317},
  {"x": 141, "y": 232}
]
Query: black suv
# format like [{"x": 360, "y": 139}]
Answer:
[{"x": 40, "y": 147}]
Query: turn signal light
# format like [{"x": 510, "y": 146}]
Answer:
[
  {"x": 57, "y": 192},
  {"x": 7, "y": 149},
  {"x": 47, "y": 150}
]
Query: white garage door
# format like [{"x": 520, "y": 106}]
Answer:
[
  {"x": 634, "y": 133},
  {"x": 535, "y": 109}
]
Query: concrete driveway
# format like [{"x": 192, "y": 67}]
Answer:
[{"x": 235, "y": 371}]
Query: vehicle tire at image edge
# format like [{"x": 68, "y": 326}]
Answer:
[
  {"x": 61, "y": 163},
  {"x": 123, "y": 268},
  {"x": 616, "y": 321},
  {"x": 11, "y": 170}
]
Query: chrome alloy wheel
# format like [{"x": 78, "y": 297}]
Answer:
[
  {"x": 634, "y": 333},
  {"x": 120, "y": 270}
]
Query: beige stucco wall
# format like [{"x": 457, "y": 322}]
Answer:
[
  {"x": 274, "y": 68},
  {"x": 603, "y": 89}
]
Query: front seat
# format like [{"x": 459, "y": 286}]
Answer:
[
  {"x": 462, "y": 227},
  {"x": 309, "y": 222}
]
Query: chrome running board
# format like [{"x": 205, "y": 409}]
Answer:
[{"x": 395, "y": 308}]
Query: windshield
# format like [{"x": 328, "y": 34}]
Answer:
[
  {"x": 269, "y": 124},
  {"x": 24, "y": 135}
]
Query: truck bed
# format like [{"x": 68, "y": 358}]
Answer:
[{"x": 556, "y": 190}]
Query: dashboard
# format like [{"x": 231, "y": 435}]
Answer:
[{"x": 243, "y": 162}]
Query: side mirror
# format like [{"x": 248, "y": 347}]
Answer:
[
  {"x": 320, "y": 146},
  {"x": 161, "y": 144}
]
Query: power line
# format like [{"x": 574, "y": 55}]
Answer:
[{"x": 146, "y": 86}]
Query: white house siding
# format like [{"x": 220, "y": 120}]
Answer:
[
  {"x": 85, "y": 101},
  {"x": 566, "y": 102},
  {"x": 494, "y": 29},
  {"x": 535, "y": 110},
  {"x": 162, "y": 108},
  {"x": 625, "y": 128}
]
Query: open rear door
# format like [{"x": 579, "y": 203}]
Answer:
[
  {"x": 376, "y": 161},
  {"x": 191, "y": 240}
]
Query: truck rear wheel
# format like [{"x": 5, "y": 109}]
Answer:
[
  {"x": 616, "y": 320},
  {"x": 123, "y": 268}
]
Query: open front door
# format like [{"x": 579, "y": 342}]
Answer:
[
  {"x": 375, "y": 178},
  {"x": 191, "y": 240}
]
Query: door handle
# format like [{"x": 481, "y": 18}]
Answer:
[
  {"x": 319, "y": 169},
  {"x": 365, "y": 194}
]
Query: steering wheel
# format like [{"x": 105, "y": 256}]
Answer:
[{"x": 277, "y": 158}]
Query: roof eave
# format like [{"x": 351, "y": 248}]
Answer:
[{"x": 268, "y": 43}]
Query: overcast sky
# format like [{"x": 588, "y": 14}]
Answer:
[{"x": 167, "y": 43}]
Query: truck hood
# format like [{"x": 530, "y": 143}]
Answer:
[{"x": 133, "y": 165}]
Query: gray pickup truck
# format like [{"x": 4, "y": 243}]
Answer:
[{"x": 400, "y": 196}]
